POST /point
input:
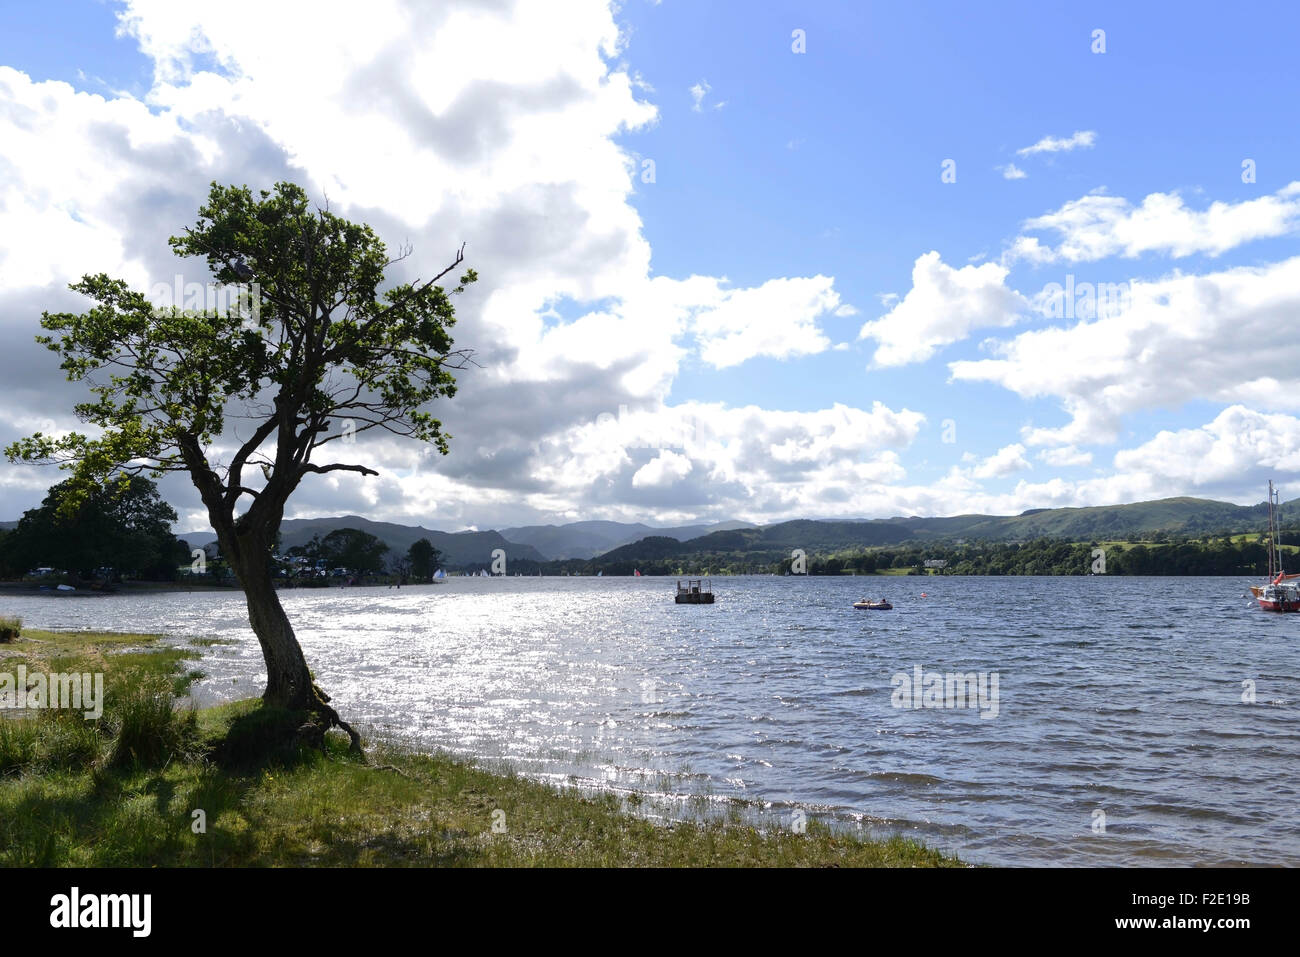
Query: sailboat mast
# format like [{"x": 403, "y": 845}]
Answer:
[
  {"x": 1274, "y": 532},
  {"x": 1277, "y": 528},
  {"x": 1269, "y": 543}
]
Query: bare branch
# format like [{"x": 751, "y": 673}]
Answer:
[{"x": 322, "y": 469}]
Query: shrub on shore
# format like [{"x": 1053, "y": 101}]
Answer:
[
  {"x": 11, "y": 628},
  {"x": 147, "y": 729}
]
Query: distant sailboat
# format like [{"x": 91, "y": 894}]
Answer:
[
  {"x": 636, "y": 572},
  {"x": 599, "y": 574},
  {"x": 1281, "y": 592}
]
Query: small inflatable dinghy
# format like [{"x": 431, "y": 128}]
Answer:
[{"x": 865, "y": 605}]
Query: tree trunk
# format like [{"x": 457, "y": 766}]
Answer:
[{"x": 288, "y": 681}]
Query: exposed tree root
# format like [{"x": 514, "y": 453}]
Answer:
[{"x": 324, "y": 717}]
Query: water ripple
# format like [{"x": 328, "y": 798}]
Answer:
[{"x": 1116, "y": 695}]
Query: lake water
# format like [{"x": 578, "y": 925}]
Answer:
[{"x": 1120, "y": 697}]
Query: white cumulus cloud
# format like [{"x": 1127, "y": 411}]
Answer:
[
  {"x": 1219, "y": 336},
  {"x": 664, "y": 469},
  {"x": 1005, "y": 461},
  {"x": 777, "y": 319},
  {"x": 943, "y": 306},
  {"x": 1098, "y": 226},
  {"x": 1081, "y": 139},
  {"x": 1065, "y": 457}
]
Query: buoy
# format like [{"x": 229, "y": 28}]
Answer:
[{"x": 922, "y": 594}]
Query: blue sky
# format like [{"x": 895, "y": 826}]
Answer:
[
  {"x": 829, "y": 162},
  {"x": 832, "y": 157},
  {"x": 794, "y": 185}
]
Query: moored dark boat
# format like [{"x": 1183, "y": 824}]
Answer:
[
  {"x": 696, "y": 591},
  {"x": 865, "y": 605}
]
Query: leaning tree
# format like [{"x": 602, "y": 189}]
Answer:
[{"x": 310, "y": 352}]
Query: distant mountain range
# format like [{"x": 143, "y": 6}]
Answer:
[
  {"x": 457, "y": 548},
  {"x": 623, "y": 541},
  {"x": 537, "y": 543},
  {"x": 589, "y": 539}
]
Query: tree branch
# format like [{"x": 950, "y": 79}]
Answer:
[{"x": 322, "y": 469}]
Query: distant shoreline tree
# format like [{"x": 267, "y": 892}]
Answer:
[
  {"x": 316, "y": 354},
  {"x": 423, "y": 559},
  {"x": 355, "y": 550},
  {"x": 123, "y": 528},
  {"x": 312, "y": 550}
]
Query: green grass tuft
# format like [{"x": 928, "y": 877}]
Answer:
[
  {"x": 11, "y": 628},
  {"x": 148, "y": 730}
]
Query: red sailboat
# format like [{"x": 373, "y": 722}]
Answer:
[{"x": 1281, "y": 593}]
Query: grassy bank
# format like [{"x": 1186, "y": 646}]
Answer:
[{"x": 123, "y": 791}]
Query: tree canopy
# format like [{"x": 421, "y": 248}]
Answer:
[
  {"x": 311, "y": 339},
  {"x": 312, "y": 350}
]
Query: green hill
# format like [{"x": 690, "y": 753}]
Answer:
[{"x": 1189, "y": 517}]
